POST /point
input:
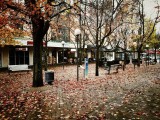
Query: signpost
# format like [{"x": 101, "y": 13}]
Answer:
[{"x": 86, "y": 68}]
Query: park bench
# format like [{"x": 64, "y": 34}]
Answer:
[
  {"x": 135, "y": 62},
  {"x": 149, "y": 61},
  {"x": 112, "y": 65},
  {"x": 16, "y": 68}
]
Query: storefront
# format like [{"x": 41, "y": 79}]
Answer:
[
  {"x": 18, "y": 55},
  {"x": 23, "y": 53}
]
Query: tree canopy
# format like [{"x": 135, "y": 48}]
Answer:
[{"x": 38, "y": 14}]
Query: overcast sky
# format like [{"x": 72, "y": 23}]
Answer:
[{"x": 150, "y": 11}]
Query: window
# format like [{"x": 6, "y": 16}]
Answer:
[
  {"x": 18, "y": 56},
  {"x": 64, "y": 32}
]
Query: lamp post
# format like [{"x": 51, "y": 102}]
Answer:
[
  {"x": 135, "y": 45},
  {"x": 134, "y": 61},
  {"x": 147, "y": 46},
  {"x": 77, "y": 32},
  {"x": 63, "y": 52}
]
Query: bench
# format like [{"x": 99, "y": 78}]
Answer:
[
  {"x": 112, "y": 65},
  {"x": 149, "y": 61},
  {"x": 135, "y": 62},
  {"x": 16, "y": 68}
]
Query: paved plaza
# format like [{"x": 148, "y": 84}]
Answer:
[{"x": 129, "y": 94}]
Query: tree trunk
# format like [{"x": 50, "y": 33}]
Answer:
[
  {"x": 97, "y": 62},
  {"x": 37, "y": 63},
  {"x": 139, "y": 54},
  {"x": 155, "y": 57},
  {"x": 45, "y": 58},
  {"x": 97, "y": 40},
  {"x": 37, "y": 53},
  {"x": 125, "y": 60},
  {"x": 45, "y": 55}
]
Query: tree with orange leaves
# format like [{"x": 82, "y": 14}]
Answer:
[
  {"x": 38, "y": 14},
  {"x": 8, "y": 32}
]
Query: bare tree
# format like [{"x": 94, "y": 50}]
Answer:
[
  {"x": 144, "y": 34},
  {"x": 101, "y": 21}
]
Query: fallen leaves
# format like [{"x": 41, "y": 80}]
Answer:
[{"x": 124, "y": 95}]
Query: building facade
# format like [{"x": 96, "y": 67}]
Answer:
[{"x": 23, "y": 53}]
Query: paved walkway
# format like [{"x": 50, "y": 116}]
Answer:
[
  {"x": 129, "y": 94},
  {"x": 96, "y": 97}
]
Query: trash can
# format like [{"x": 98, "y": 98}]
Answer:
[{"x": 49, "y": 77}]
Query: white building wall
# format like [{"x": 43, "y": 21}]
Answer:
[
  {"x": 50, "y": 57},
  {"x": 30, "y": 56},
  {"x": 57, "y": 57},
  {"x": 89, "y": 54},
  {"x": 5, "y": 57}
]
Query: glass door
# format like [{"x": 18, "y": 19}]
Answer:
[{"x": 17, "y": 57}]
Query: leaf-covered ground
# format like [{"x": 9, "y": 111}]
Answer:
[{"x": 127, "y": 95}]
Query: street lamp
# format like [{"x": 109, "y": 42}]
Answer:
[
  {"x": 77, "y": 32},
  {"x": 134, "y": 61},
  {"x": 147, "y": 46},
  {"x": 63, "y": 52},
  {"x": 135, "y": 45}
]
